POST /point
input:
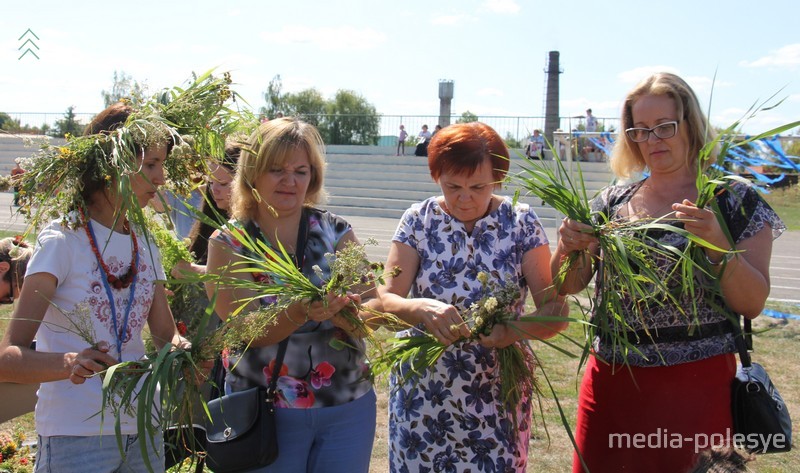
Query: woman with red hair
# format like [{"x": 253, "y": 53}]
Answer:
[{"x": 451, "y": 416}]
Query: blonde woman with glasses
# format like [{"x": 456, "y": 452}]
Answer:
[{"x": 676, "y": 381}]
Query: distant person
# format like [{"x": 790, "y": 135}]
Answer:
[
  {"x": 424, "y": 137},
  {"x": 535, "y": 148},
  {"x": 587, "y": 148},
  {"x": 16, "y": 171},
  {"x": 401, "y": 141},
  {"x": 591, "y": 121},
  {"x": 436, "y": 130}
]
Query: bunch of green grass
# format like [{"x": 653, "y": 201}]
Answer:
[
  {"x": 711, "y": 183},
  {"x": 630, "y": 275},
  {"x": 351, "y": 272},
  {"x": 409, "y": 357}
]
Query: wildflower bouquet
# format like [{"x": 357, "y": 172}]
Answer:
[
  {"x": 633, "y": 259},
  {"x": 283, "y": 283},
  {"x": 498, "y": 305}
]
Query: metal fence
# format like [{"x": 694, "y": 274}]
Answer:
[{"x": 517, "y": 128}]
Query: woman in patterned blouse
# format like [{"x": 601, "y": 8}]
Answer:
[
  {"x": 451, "y": 416},
  {"x": 326, "y": 405},
  {"x": 676, "y": 383}
]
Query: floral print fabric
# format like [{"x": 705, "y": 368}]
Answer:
[
  {"x": 314, "y": 373},
  {"x": 450, "y": 418},
  {"x": 745, "y": 213}
]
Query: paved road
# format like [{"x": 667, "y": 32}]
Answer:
[{"x": 784, "y": 270}]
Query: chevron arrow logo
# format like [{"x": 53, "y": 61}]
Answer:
[{"x": 29, "y": 43}]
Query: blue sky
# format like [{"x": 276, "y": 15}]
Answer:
[{"x": 394, "y": 53}]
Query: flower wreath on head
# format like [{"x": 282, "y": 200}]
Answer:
[{"x": 194, "y": 119}]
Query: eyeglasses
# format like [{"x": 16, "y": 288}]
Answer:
[{"x": 662, "y": 131}]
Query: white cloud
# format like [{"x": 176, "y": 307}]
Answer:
[
  {"x": 490, "y": 92},
  {"x": 787, "y": 56},
  {"x": 501, "y": 6},
  {"x": 327, "y": 38},
  {"x": 702, "y": 85},
  {"x": 235, "y": 12}
]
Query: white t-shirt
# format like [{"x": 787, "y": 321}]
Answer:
[{"x": 65, "y": 408}]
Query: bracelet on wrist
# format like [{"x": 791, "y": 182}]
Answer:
[
  {"x": 725, "y": 258},
  {"x": 286, "y": 314}
]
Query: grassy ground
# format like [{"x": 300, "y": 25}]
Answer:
[{"x": 786, "y": 202}]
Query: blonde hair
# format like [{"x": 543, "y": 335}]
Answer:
[
  {"x": 625, "y": 157},
  {"x": 270, "y": 147}
]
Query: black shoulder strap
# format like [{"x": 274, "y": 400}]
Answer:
[{"x": 742, "y": 340}]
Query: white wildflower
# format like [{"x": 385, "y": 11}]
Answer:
[{"x": 490, "y": 305}]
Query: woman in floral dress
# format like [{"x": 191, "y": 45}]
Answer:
[
  {"x": 326, "y": 404},
  {"x": 450, "y": 417}
]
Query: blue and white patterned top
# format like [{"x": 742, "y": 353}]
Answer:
[
  {"x": 451, "y": 417},
  {"x": 668, "y": 335}
]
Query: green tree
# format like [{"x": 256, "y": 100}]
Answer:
[
  {"x": 512, "y": 142},
  {"x": 348, "y": 118},
  {"x": 6, "y": 122},
  {"x": 467, "y": 117},
  {"x": 307, "y": 104},
  {"x": 69, "y": 124},
  {"x": 123, "y": 87},
  {"x": 274, "y": 99},
  {"x": 351, "y": 120}
]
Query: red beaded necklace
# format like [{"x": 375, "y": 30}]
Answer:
[{"x": 127, "y": 278}]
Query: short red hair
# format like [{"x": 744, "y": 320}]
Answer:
[{"x": 463, "y": 147}]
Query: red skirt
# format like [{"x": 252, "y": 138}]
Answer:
[{"x": 652, "y": 419}]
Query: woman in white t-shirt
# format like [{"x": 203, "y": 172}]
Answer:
[{"x": 95, "y": 269}]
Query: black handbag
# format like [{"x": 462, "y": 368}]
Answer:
[
  {"x": 761, "y": 420},
  {"x": 241, "y": 433}
]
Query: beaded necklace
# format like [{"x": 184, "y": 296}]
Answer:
[{"x": 128, "y": 280}]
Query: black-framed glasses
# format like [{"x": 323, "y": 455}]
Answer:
[{"x": 663, "y": 131}]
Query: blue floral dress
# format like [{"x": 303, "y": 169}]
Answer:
[{"x": 451, "y": 418}]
